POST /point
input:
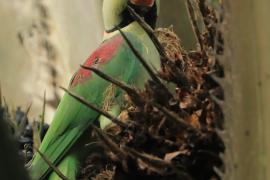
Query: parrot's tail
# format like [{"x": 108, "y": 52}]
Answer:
[{"x": 68, "y": 167}]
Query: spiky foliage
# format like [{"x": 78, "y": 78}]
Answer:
[
  {"x": 26, "y": 134},
  {"x": 8, "y": 152},
  {"x": 170, "y": 134}
]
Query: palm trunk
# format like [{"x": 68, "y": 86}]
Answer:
[{"x": 248, "y": 86}]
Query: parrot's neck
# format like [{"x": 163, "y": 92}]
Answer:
[
  {"x": 149, "y": 51},
  {"x": 133, "y": 28}
]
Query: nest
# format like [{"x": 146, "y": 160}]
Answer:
[
  {"x": 167, "y": 131},
  {"x": 172, "y": 132}
]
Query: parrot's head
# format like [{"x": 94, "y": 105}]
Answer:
[{"x": 115, "y": 12}]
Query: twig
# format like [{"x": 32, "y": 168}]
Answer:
[
  {"x": 150, "y": 32},
  {"x": 134, "y": 95},
  {"x": 171, "y": 115},
  {"x": 109, "y": 143},
  {"x": 36, "y": 135},
  {"x": 0, "y": 95},
  {"x": 43, "y": 113},
  {"x": 93, "y": 107},
  {"x": 119, "y": 84},
  {"x": 140, "y": 58},
  {"x": 51, "y": 165},
  {"x": 194, "y": 24},
  {"x": 149, "y": 159},
  {"x": 24, "y": 120}
]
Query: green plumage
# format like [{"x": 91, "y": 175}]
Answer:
[{"x": 64, "y": 142}]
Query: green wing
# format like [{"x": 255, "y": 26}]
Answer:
[{"x": 72, "y": 118}]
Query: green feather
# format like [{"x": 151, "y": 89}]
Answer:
[{"x": 64, "y": 142}]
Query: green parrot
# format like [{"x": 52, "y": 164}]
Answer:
[{"x": 64, "y": 143}]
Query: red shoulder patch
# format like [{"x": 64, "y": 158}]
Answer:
[{"x": 100, "y": 56}]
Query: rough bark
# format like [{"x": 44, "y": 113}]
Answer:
[{"x": 247, "y": 89}]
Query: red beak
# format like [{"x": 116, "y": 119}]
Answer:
[{"x": 147, "y": 3}]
